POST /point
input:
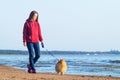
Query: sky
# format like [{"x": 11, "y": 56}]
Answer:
[{"x": 67, "y": 25}]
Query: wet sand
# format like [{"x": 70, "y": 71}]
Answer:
[{"x": 9, "y": 73}]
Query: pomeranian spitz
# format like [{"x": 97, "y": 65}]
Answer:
[{"x": 61, "y": 67}]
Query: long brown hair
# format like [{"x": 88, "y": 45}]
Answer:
[{"x": 32, "y": 14}]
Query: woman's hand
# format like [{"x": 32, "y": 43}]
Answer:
[
  {"x": 25, "y": 44},
  {"x": 42, "y": 44}
]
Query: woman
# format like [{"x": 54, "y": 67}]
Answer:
[{"x": 31, "y": 37}]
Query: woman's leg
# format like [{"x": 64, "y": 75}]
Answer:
[
  {"x": 37, "y": 52},
  {"x": 30, "y": 47}
]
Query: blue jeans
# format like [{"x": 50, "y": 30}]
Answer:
[{"x": 33, "y": 48}]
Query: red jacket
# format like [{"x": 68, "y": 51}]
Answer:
[{"x": 32, "y": 32}]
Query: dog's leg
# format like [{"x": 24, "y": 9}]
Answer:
[
  {"x": 58, "y": 73},
  {"x": 62, "y": 73}
]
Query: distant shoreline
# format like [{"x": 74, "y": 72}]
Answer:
[{"x": 23, "y": 52}]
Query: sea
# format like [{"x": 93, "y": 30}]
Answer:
[{"x": 78, "y": 64}]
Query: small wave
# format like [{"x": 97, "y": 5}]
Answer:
[
  {"x": 87, "y": 54},
  {"x": 95, "y": 54},
  {"x": 115, "y": 61}
]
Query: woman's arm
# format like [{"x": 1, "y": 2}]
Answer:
[
  {"x": 40, "y": 33},
  {"x": 24, "y": 34}
]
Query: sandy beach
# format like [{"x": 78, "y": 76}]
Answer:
[{"x": 9, "y": 73}]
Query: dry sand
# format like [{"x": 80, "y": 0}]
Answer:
[{"x": 9, "y": 73}]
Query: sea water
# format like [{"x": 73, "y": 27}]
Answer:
[{"x": 79, "y": 64}]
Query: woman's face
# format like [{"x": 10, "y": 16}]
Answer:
[{"x": 35, "y": 17}]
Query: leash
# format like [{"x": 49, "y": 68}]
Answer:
[{"x": 50, "y": 53}]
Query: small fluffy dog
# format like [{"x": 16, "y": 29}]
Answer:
[{"x": 61, "y": 67}]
